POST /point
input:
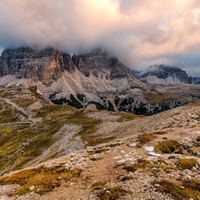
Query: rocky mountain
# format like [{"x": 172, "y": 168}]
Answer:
[
  {"x": 196, "y": 80},
  {"x": 48, "y": 65},
  {"x": 90, "y": 78},
  {"x": 77, "y": 80},
  {"x": 163, "y": 74}
]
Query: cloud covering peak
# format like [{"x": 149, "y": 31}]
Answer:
[{"x": 139, "y": 32}]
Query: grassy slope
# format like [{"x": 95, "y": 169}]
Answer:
[{"x": 14, "y": 153}]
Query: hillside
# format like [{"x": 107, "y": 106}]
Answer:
[
  {"x": 81, "y": 127},
  {"x": 66, "y": 153}
]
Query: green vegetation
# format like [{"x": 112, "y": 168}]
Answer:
[
  {"x": 168, "y": 146},
  {"x": 167, "y": 168},
  {"x": 192, "y": 184},
  {"x": 14, "y": 155},
  {"x": 24, "y": 103},
  {"x": 112, "y": 193},
  {"x": 145, "y": 138},
  {"x": 126, "y": 116},
  {"x": 154, "y": 98},
  {"x": 187, "y": 163},
  {"x": 141, "y": 164},
  {"x": 42, "y": 179},
  {"x": 159, "y": 132},
  {"x": 190, "y": 189},
  {"x": 99, "y": 185},
  {"x": 124, "y": 178},
  {"x": 8, "y": 114}
]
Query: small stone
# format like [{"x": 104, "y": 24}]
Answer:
[
  {"x": 157, "y": 185},
  {"x": 32, "y": 188}
]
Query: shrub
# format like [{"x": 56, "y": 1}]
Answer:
[
  {"x": 44, "y": 179},
  {"x": 99, "y": 185},
  {"x": 178, "y": 192},
  {"x": 173, "y": 189},
  {"x": 187, "y": 163},
  {"x": 146, "y": 138},
  {"x": 168, "y": 146},
  {"x": 113, "y": 193},
  {"x": 141, "y": 164}
]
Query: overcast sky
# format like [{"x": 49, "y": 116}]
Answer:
[{"x": 139, "y": 32}]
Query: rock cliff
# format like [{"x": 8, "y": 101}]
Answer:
[{"x": 48, "y": 65}]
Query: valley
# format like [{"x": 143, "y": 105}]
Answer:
[
  {"x": 82, "y": 127},
  {"x": 110, "y": 150}
]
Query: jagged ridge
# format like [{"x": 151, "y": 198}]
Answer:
[{"x": 162, "y": 74}]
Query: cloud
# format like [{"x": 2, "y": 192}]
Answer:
[{"x": 137, "y": 31}]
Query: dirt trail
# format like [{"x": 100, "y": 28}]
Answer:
[
  {"x": 101, "y": 170},
  {"x": 26, "y": 113}
]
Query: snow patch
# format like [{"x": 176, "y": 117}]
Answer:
[
  {"x": 133, "y": 145},
  {"x": 151, "y": 151}
]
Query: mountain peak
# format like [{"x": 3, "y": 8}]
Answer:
[{"x": 165, "y": 74}]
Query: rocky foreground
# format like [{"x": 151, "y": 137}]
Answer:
[
  {"x": 93, "y": 154},
  {"x": 124, "y": 169}
]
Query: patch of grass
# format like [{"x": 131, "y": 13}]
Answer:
[
  {"x": 177, "y": 191},
  {"x": 141, "y": 164},
  {"x": 127, "y": 116},
  {"x": 145, "y": 138},
  {"x": 43, "y": 179},
  {"x": 154, "y": 98},
  {"x": 167, "y": 146},
  {"x": 24, "y": 103},
  {"x": 192, "y": 184},
  {"x": 99, "y": 185},
  {"x": 124, "y": 178},
  {"x": 160, "y": 132},
  {"x": 187, "y": 163},
  {"x": 13, "y": 155},
  {"x": 8, "y": 114},
  {"x": 112, "y": 193},
  {"x": 167, "y": 168},
  {"x": 89, "y": 125}
]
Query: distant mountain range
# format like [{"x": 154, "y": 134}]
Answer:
[{"x": 163, "y": 74}]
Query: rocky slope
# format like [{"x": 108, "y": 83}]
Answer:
[{"x": 58, "y": 152}]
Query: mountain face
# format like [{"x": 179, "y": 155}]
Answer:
[
  {"x": 196, "y": 80},
  {"x": 76, "y": 80},
  {"x": 91, "y": 78},
  {"x": 161, "y": 74},
  {"x": 45, "y": 66},
  {"x": 48, "y": 65}
]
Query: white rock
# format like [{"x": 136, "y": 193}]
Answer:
[{"x": 32, "y": 188}]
